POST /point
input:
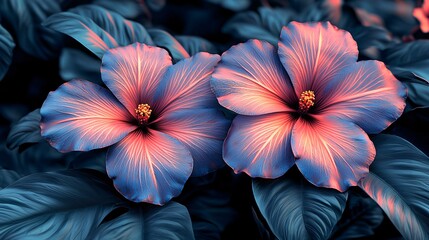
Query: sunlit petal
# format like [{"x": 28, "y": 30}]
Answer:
[
  {"x": 133, "y": 72},
  {"x": 260, "y": 145},
  {"x": 330, "y": 152},
  {"x": 367, "y": 94},
  {"x": 81, "y": 116},
  {"x": 314, "y": 53},
  {"x": 202, "y": 131},
  {"x": 149, "y": 167},
  {"x": 186, "y": 84},
  {"x": 250, "y": 80}
]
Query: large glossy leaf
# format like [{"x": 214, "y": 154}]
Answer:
[
  {"x": 360, "y": 218},
  {"x": 127, "y": 8},
  {"x": 399, "y": 181},
  {"x": 296, "y": 209},
  {"x": 371, "y": 40},
  {"x": 56, "y": 205},
  {"x": 234, "y": 5},
  {"x": 170, "y": 222},
  {"x": 194, "y": 45},
  {"x": 163, "y": 39},
  {"x": 97, "y": 28},
  {"x": 408, "y": 62},
  {"x": 25, "y": 18},
  {"x": 265, "y": 24},
  {"x": 26, "y": 130},
  {"x": 209, "y": 202},
  {"x": 411, "y": 57},
  {"x": 88, "y": 66},
  {"x": 6, "y": 51},
  {"x": 397, "y": 16},
  {"x": 7, "y": 177},
  {"x": 156, "y": 4},
  {"x": 39, "y": 157}
]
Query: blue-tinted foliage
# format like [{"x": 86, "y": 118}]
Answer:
[
  {"x": 398, "y": 182},
  {"x": 295, "y": 209},
  {"x": 26, "y": 130},
  {"x": 6, "y": 50},
  {"x": 360, "y": 218},
  {"x": 25, "y": 17},
  {"x": 165, "y": 40},
  {"x": 82, "y": 204},
  {"x": 98, "y": 29}
]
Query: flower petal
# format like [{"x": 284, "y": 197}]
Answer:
[
  {"x": 81, "y": 116},
  {"x": 330, "y": 152},
  {"x": 367, "y": 94},
  {"x": 313, "y": 53},
  {"x": 260, "y": 145},
  {"x": 202, "y": 131},
  {"x": 133, "y": 72},
  {"x": 186, "y": 84},
  {"x": 250, "y": 80},
  {"x": 149, "y": 167}
]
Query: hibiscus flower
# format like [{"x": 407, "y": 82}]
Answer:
[
  {"x": 308, "y": 103},
  {"x": 161, "y": 119}
]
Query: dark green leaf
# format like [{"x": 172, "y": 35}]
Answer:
[
  {"x": 194, "y": 45},
  {"x": 264, "y": 25},
  {"x": 399, "y": 181},
  {"x": 88, "y": 67},
  {"x": 25, "y": 18},
  {"x": 360, "y": 218},
  {"x": 26, "y": 130},
  {"x": 7, "y": 177},
  {"x": 6, "y": 51},
  {"x": 169, "y": 222},
  {"x": 165, "y": 40},
  {"x": 97, "y": 28},
  {"x": 296, "y": 209},
  {"x": 55, "y": 205}
]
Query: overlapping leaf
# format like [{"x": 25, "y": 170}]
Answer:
[
  {"x": 80, "y": 204},
  {"x": 295, "y": 209},
  {"x": 25, "y": 18},
  {"x": 6, "y": 51},
  {"x": 398, "y": 181},
  {"x": 97, "y": 28}
]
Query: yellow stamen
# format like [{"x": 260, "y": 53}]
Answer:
[
  {"x": 143, "y": 112},
  {"x": 306, "y": 101}
]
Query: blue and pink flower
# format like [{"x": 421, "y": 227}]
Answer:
[
  {"x": 160, "y": 120},
  {"x": 307, "y": 102}
]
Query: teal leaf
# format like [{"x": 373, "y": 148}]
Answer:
[
  {"x": 296, "y": 209},
  {"x": 98, "y": 29},
  {"x": 87, "y": 68},
  {"x": 410, "y": 57},
  {"x": 399, "y": 181},
  {"x": 7, "y": 177},
  {"x": 6, "y": 51},
  {"x": 170, "y": 221},
  {"x": 163, "y": 39},
  {"x": 26, "y": 130},
  {"x": 25, "y": 17},
  {"x": 266, "y": 24},
  {"x": 360, "y": 218},
  {"x": 194, "y": 45},
  {"x": 55, "y": 205}
]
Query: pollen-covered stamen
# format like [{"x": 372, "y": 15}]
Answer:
[
  {"x": 306, "y": 101},
  {"x": 143, "y": 112}
]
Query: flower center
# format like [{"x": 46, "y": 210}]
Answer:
[
  {"x": 143, "y": 112},
  {"x": 306, "y": 101}
]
